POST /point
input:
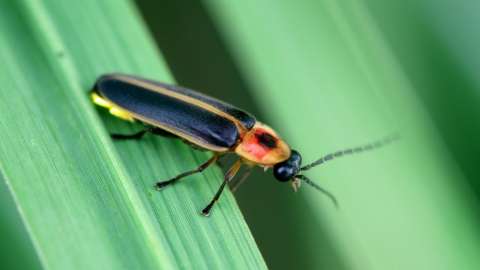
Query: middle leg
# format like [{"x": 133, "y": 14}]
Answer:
[
  {"x": 162, "y": 184},
  {"x": 228, "y": 176}
]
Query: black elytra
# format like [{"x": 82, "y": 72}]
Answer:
[{"x": 173, "y": 112}]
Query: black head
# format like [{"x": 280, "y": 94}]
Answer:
[{"x": 288, "y": 169}]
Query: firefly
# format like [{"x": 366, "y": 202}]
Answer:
[{"x": 209, "y": 124}]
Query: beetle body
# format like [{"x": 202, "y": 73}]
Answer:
[
  {"x": 199, "y": 119},
  {"x": 205, "y": 122}
]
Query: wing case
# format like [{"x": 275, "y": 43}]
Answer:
[{"x": 200, "y": 119}]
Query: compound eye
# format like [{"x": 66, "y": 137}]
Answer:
[{"x": 284, "y": 172}]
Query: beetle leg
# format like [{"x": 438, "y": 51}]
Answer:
[
  {"x": 161, "y": 132},
  {"x": 237, "y": 183},
  {"x": 134, "y": 136},
  {"x": 162, "y": 184},
  {"x": 228, "y": 176},
  {"x": 139, "y": 135}
]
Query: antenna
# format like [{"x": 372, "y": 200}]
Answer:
[
  {"x": 367, "y": 147},
  {"x": 319, "y": 188}
]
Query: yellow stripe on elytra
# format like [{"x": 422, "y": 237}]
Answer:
[
  {"x": 114, "y": 110},
  {"x": 190, "y": 100}
]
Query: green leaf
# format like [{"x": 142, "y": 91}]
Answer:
[
  {"x": 328, "y": 81},
  {"x": 88, "y": 203}
]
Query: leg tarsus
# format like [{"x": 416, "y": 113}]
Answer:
[{"x": 208, "y": 208}]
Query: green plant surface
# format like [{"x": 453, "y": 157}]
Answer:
[
  {"x": 327, "y": 80},
  {"x": 88, "y": 202},
  {"x": 438, "y": 49},
  {"x": 15, "y": 241}
]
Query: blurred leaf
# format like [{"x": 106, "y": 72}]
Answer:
[
  {"x": 16, "y": 243},
  {"x": 438, "y": 50},
  {"x": 83, "y": 206},
  {"x": 328, "y": 81}
]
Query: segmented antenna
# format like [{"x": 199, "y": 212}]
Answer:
[
  {"x": 319, "y": 188},
  {"x": 371, "y": 146}
]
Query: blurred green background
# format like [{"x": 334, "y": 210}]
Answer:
[
  {"x": 434, "y": 44},
  {"x": 371, "y": 67}
]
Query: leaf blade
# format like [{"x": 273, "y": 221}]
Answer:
[{"x": 83, "y": 192}]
